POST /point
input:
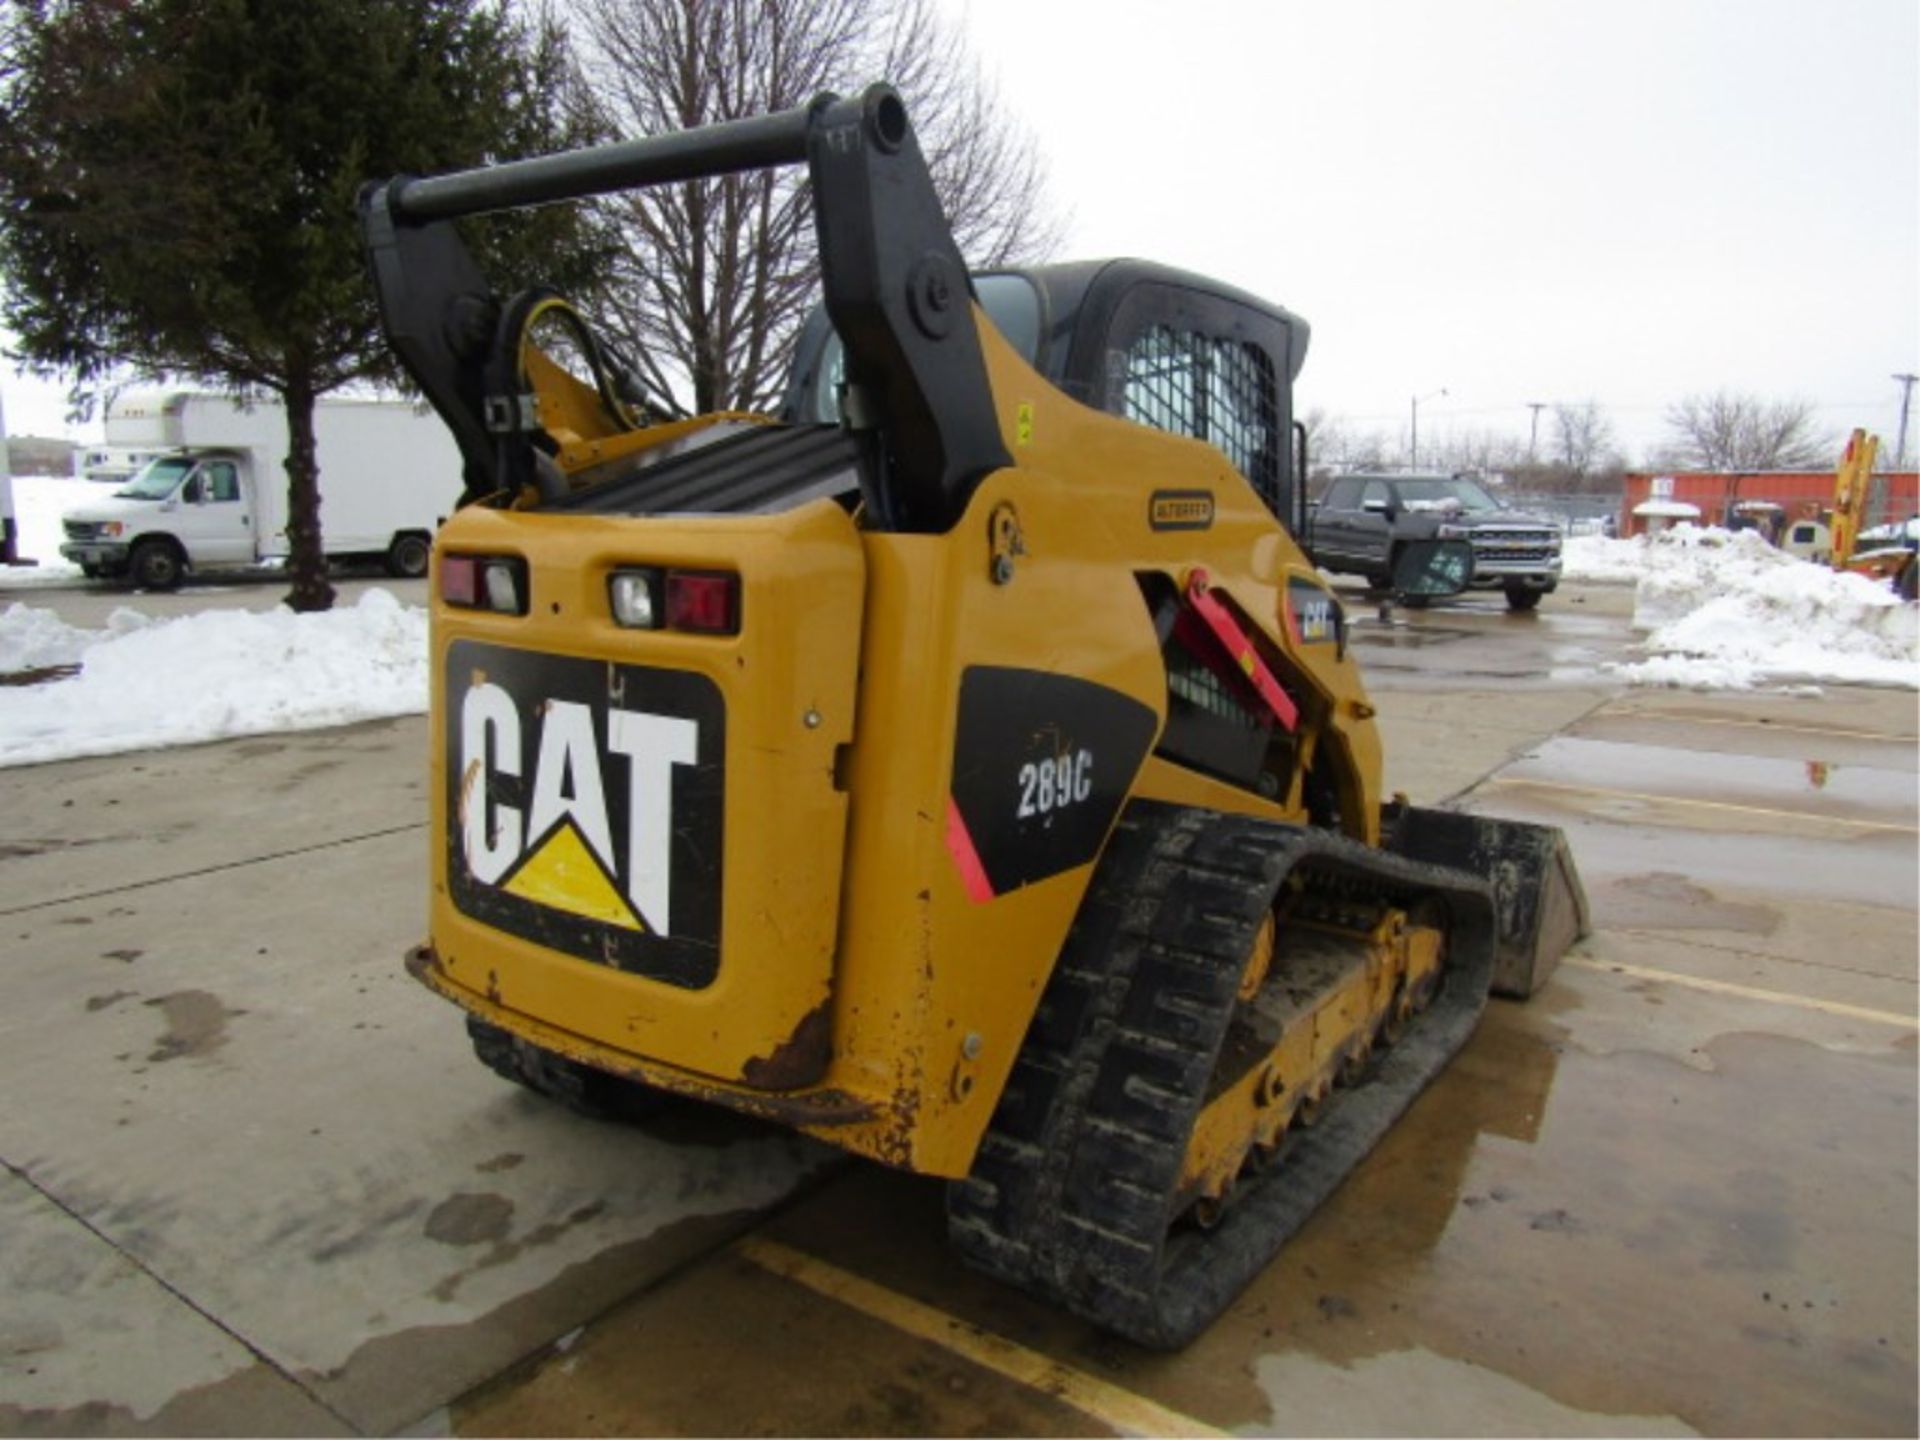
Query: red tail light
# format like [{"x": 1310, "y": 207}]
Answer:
[
  {"x": 484, "y": 582},
  {"x": 707, "y": 601},
  {"x": 459, "y": 580}
]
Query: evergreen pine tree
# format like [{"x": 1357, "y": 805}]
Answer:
[{"x": 177, "y": 186}]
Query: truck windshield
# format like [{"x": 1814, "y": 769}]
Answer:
[
  {"x": 158, "y": 480},
  {"x": 1437, "y": 494}
]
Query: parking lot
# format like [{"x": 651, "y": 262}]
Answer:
[{"x": 254, "y": 1181}]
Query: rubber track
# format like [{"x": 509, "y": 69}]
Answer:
[
  {"x": 1071, "y": 1194},
  {"x": 581, "y": 1088}
]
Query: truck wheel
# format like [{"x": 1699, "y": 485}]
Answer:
[
  {"x": 1522, "y": 597},
  {"x": 92, "y": 572},
  {"x": 408, "y": 555},
  {"x": 157, "y": 565}
]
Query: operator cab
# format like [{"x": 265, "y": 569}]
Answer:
[{"x": 1155, "y": 345}]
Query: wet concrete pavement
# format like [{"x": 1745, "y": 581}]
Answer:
[
  {"x": 254, "y": 1181},
  {"x": 1674, "y": 1193}
]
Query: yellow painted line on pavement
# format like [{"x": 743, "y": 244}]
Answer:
[
  {"x": 1125, "y": 1411},
  {"x": 1605, "y": 792},
  {"x": 1748, "y": 992}
]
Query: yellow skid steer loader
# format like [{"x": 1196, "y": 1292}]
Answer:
[{"x": 966, "y": 766}]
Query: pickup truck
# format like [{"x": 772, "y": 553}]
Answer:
[{"x": 1362, "y": 521}]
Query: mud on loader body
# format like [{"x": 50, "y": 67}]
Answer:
[{"x": 980, "y": 781}]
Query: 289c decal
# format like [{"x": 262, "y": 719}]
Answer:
[
  {"x": 1055, "y": 784},
  {"x": 1041, "y": 764}
]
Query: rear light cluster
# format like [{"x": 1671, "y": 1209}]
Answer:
[
  {"x": 702, "y": 602},
  {"x": 705, "y": 602},
  {"x": 484, "y": 582}
]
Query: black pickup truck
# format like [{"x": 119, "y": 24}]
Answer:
[{"x": 1362, "y": 520}]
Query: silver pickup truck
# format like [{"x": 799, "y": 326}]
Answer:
[{"x": 1362, "y": 520}]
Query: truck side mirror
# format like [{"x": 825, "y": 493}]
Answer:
[
  {"x": 1433, "y": 569},
  {"x": 1378, "y": 507}
]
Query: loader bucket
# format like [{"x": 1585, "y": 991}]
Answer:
[{"x": 1540, "y": 903}]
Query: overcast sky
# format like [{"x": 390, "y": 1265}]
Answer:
[
  {"x": 1552, "y": 200},
  {"x": 1549, "y": 200}
]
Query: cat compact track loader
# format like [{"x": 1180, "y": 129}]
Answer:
[{"x": 965, "y": 767}]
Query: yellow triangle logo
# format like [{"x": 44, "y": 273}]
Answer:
[{"x": 564, "y": 875}]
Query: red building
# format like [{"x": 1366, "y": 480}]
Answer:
[{"x": 1800, "y": 494}]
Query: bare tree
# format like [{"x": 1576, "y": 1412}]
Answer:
[
  {"x": 1334, "y": 445},
  {"x": 1480, "y": 452},
  {"x": 717, "y": 274},
  {"x": 1728, "y": 431},
  {"x": 1583, "y": 438}
]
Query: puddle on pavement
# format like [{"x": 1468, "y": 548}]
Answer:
[
  {"x": 1640, "y": 1247},
  {"x": 1811, "y": 785},
  {"x": 1408, "y": 637},
  {"x": 1664, "y": 900},
  {"x": 196, "y": 1025},
  {"x": 1616, "y": 836}
]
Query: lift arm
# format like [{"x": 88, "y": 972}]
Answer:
[{"x": 896, "y": 289}]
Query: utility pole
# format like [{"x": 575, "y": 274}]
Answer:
[
  {"x": 1900, "y": 444},
  {"x": 1413, "y": 430},
  {"x": 1533, "y": 430}
]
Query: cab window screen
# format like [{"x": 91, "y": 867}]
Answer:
[{"x": 1217, "y": 390}]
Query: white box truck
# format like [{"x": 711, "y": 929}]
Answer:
[{"x": 215, "y": 493}]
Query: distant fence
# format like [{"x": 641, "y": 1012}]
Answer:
[{"x": 1800, "y": 494}]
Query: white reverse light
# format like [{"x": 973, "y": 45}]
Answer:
[{"x": 635, "y": 595}]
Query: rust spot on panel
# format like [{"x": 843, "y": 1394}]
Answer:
[
  {"x": 422, "y": 961},
  {"x": 895, "y": 1146},
  {"x": 800, "y": 1059}
]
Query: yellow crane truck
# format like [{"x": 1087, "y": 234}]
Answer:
[{"x": 965, "y": 766}]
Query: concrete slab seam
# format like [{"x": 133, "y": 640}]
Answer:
[
  {"x": 213, "y": 869},
  {"x": 1749, "y": 992},
  {"x": 1832, "y": 730},
  {"x": 1610, "y": 794},
  {"x": 1125, "y": 1411},
  {"x": 1448, "y": 802},
  {"x": 259, "y": 1355}
]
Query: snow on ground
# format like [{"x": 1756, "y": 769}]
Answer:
[
  {"x": 150, "y": 683},
  {"x": 1727, "y": 611},
  {"x": 38, "y": 503}
]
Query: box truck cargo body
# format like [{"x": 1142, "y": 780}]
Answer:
[{"x": 215, "y": 493}]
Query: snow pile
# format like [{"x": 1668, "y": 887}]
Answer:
[
  {"x": 32, "y": 639},
  {"x": 1682, "y": 568},
  {"x": 1603, "y": 559},
  {"x": 1728, "y": 611},
  {"x": 210, "y": 676},
  {"x": 1688, "y": 553}
]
